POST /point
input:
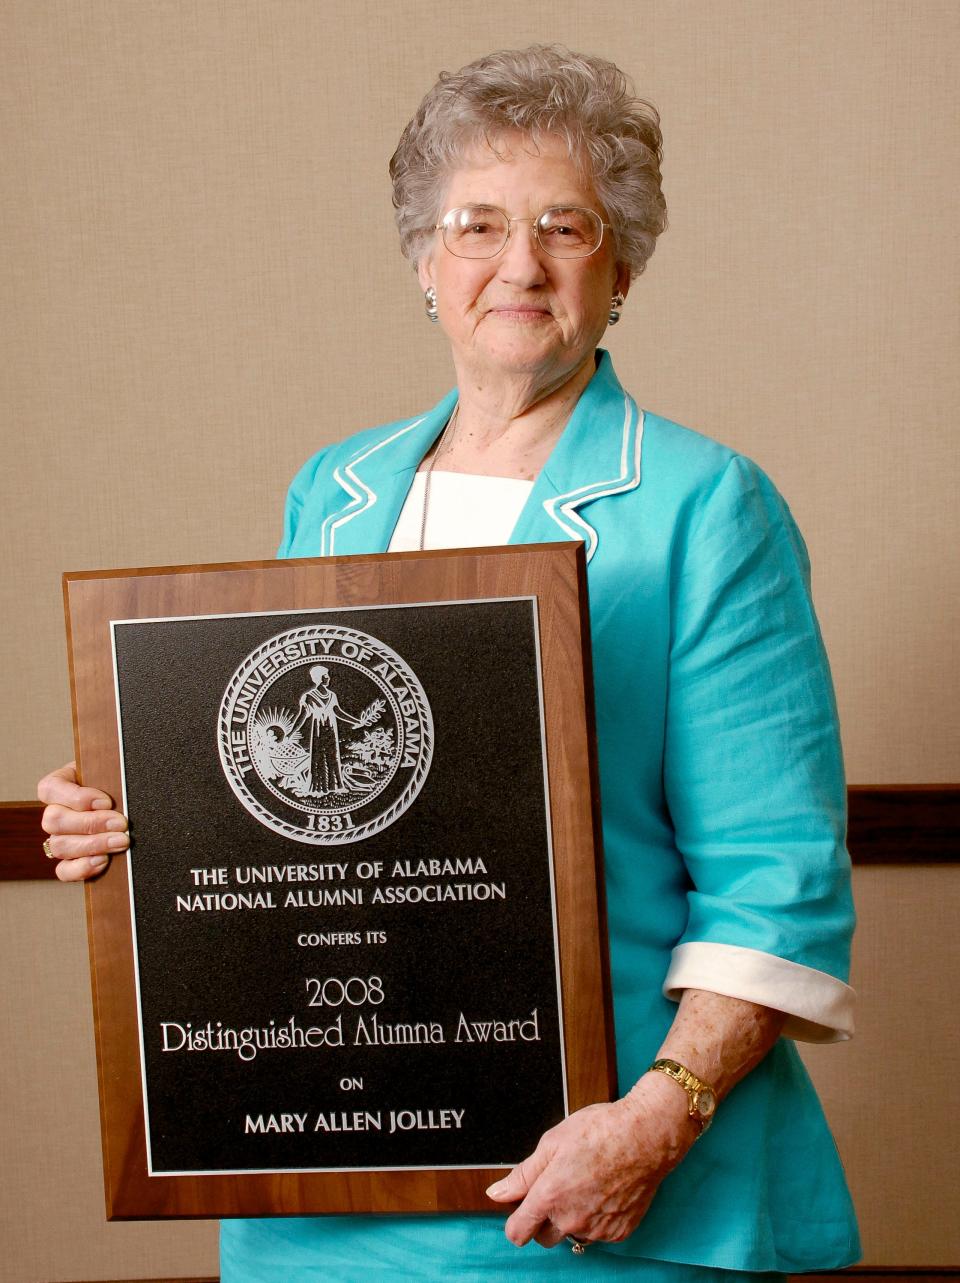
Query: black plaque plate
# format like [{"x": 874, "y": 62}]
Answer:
[{"x": 336, "y": 997}]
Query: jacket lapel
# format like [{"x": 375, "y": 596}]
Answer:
[
  {"x": 375, "y": 480},
  {"x": 598, "y": 455}
]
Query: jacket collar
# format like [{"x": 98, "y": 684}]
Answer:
[
  {"x": 375, "y": 480},
  {"x": 597, "y": 455}
]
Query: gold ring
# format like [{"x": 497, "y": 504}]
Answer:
[
  {"x": 577, "y": 1245},
  {"x": 46, "y": 850}
]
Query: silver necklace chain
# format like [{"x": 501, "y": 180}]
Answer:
[{"x": 429, "y": 474}]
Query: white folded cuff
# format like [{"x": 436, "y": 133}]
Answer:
[{"x": 819, "y": 1006}]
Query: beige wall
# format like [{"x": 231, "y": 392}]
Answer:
[{"x": 180, "y": 329}]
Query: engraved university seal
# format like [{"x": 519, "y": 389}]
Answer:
[{"x": 325, "y": 734}]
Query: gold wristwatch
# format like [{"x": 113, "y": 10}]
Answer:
[{"x": 703, "y": 1098}]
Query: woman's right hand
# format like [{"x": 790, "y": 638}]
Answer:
[{"x": 84, "y": 828}]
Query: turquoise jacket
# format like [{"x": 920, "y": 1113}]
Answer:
[{"x": 722, "y": 786}]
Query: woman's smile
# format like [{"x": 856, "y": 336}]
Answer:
[{"x": 521, "y": 312}]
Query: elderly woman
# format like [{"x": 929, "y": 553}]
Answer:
[{"x": 528, "y": 198}]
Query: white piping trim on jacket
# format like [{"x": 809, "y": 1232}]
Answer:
[
  {"x": 357, "y": 497},
  {"x": 568, "y": 503}
]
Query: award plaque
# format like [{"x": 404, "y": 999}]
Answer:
[{"x": 355, "y": 959}]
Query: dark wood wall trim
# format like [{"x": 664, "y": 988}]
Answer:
[
  {"x": 21, "y": 843},
  {"x": 883, "y": 1274},
  {"x": 889, "y": 824},
  {"x": 904, "y": 823}
]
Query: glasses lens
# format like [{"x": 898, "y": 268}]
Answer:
[
  {"x": 475, "y": 231},
  {"x": 569, "y": 232}
]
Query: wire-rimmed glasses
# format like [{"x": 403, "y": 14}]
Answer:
[{"x": 482, "y": 231}]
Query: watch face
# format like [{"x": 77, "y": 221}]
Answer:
[{"x": 706, "y": 1103}]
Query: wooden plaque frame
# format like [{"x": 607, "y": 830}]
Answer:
[{"x": 553, "y": 574}]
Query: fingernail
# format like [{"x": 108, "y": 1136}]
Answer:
[
  {"x": 101, "y": 804},
  {"x": 496, "y": 1188},
  {"x": 116, "y": 826},
  {"x": 117, "y": 841},
  {"x": 99, "y": 861}
]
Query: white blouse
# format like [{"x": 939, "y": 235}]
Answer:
[
  {"x": 466, "y": 511},
  {"x": 469, "y": 511}
]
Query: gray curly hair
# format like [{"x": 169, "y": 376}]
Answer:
[{"x": 542, "y": 91}]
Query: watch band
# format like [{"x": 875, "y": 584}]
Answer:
[{"x": 702, "y": 1097}]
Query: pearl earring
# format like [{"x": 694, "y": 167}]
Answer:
[{"x": 616, "y": 303}]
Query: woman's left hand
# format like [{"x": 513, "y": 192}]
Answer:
[{"x": 594, "y": 1175}]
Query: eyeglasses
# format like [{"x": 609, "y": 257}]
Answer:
[{"x": 482, "y": 231}]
